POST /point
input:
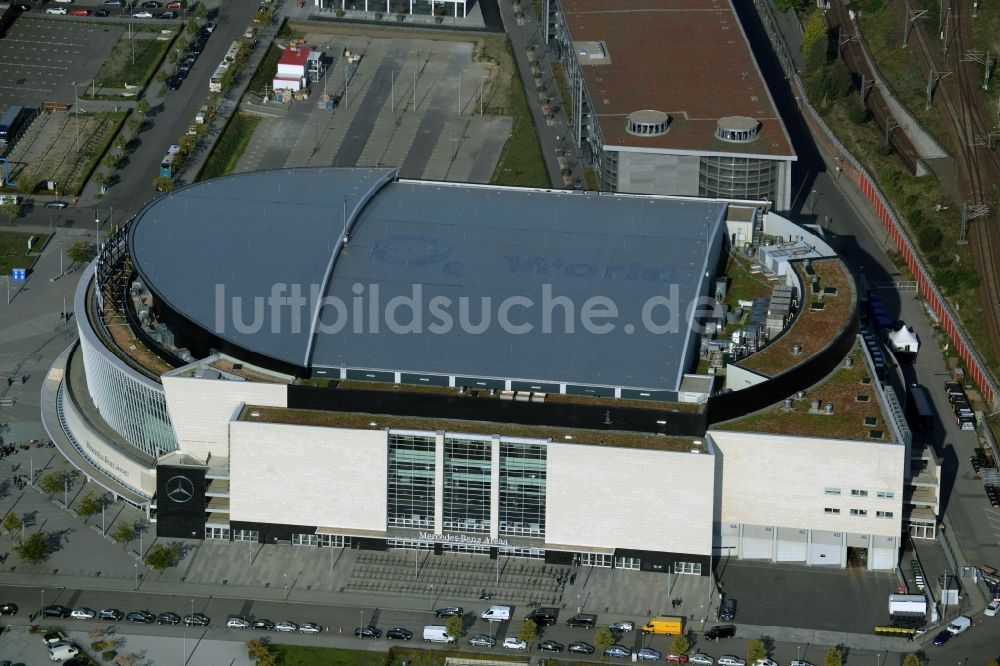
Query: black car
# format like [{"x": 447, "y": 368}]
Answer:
[
  {"x": 728, "y": 610},
  {"x": 55, "y": 611},
  {"x": 720, "y": 631},
  {"x": 264, "y": 624},
  {"x": 174, "y": 82},
  {"x": 112, "y": 614},
  {"x": 102, "y": 12},
  {"x": 544, "y": 617},
  {"x": 581, "y": 648},
  {"x": 8, "y": 609},
  {"x": 151, "y": 5},
  {"x": 582, "y": 621},
  {"x": 167, "y": 15},
  {"x": 140, "y": 617},
  {"x": 183, "y": 72},
  {"x": 399, "y": 634},
  {"x": 22, "y": 8},
  {"x": 942, "y": 638},
  {"x": 550, "y": 646},
  {"x": 368, "y": 632},
  {"x": 449, "y": 611},
  {"x": 196, "y": 620},
  {"x": 56, "y": 204},
  {"x": 168, "y": 618}
]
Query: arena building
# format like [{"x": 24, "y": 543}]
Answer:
[
  {"x": 340, "y": 358},
  {"x": 667, "y": 98}
]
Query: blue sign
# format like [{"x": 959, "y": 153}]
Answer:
[{"x": 18, "y": 274}]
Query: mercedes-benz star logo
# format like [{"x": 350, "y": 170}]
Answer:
[{"x": 180, "y": 489}]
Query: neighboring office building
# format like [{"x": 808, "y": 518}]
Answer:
[
  {"x": 422, "y": 442},
  {"x": 449, "y": 8},
  {"x": 668, "y": 99}
]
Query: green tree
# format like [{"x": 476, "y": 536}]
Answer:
[
  {"x": 121, "y": 143},
  {"x": 815, "y": 41},
  {"x": 142, "y": 106},
  {"x": 172, "y": 57},
  {"x": 785, "y": 5},
  {"x": 929, "y": 238},
  {"x": 603, "y": 639},
  {"x": 914, "y": 660},
  {"x": 123, "y": 533},
  {"x": 262, "y": 652},
  {"x": 201, "y": 11},
  {"x": 833, "y": 657},
  {"x": 191, "y": 26},
  {"x": 81, "y": 252},
  {"x": 182, "y": 44},
  {"x": 455, "y": 626},
  {"x": 88, "y": 506},
  {"x": 163, "y": 184},
  {"x": 133, "y": 124},
  {"x": 10, "y": 207},
  {"x": 12, "y": 524},
  {"x": 111, "y": 161},
  {"x": 159, "y": 558},
  {"x": 100, "y": 180},
  {"x": 54, "y": 482},
  {"x": 756, "y": 650},
  {"x": 35, "y": 548},
  {"x": 528, "y": 632},
  {"x": 993, "y": 662},
  {"x": 680, "y": 644},
  {"x": 25, "y": 185}
]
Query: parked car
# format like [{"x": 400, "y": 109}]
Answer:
[
  {"x": 992, "y": 609},
  {"x": 449, "y": 611},
  {"x": 550, "y": 646},
  {"x": 581, "y": 648},
  {"x": 368, "y": 632},
  {"x": 112, "y": 3},
  {"x": 143, "y": 15},
  {"x": 175, "y": 4},
  {"x": 582, "y": 621},
  {"x": 80, "y": 11},
  {"x": 400, "y": 634},
  {"x": 174, "y": 82},
  {"x": 54, "y": 637},
  {"x": 622, "y": 627},
  {"x": 264, "y": 624},
  {"x": 196, "y": 620},
  {"x": 8, "y": 609},
  {"x": 727, "y": 611},
  {"x": 765, "y": 662},
  {"x": 799, "y": 662},
  {"x": 168, "y": 618},
  {"x": 112, "y": 614},
  {"x": 140, "y": 617},
  {"x": 514, "y": 643},
  {"x": 703, "y": 659},
  {"x": 152, "y": 4},
  {"x": 65, "y": 2},
  {"x": 83, "y": 614},
  {"x": 286, "y": 626},
  {"x": 310, "y": 628},
  {"x": 237, "y": 623},
  {"x": 619, "y": 651},
  {"x": 730, "y": 660},
  {"x": 22, "y": 7},
  {"x": 544, "y": 617},
  {"x": 720, "y": 631},
  {"x": 55, "y": 611},
  {"x": 677, "y": 658},
  {"x": 482, "y": 640},
  {"x": 102, "y": 12},
  {"x": 209, "y": 28},
  {"x": 56, "y": 10},
  {"x": 942, "y": 637},
  {"x": 168, "y": 15},
  {"x": 57, "y": 204},
  {"x": 648, "y": 654}
]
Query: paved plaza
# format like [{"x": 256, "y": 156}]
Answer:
[{"x": 413, "y": 104}]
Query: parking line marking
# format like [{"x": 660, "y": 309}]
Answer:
[
  {"x": 35, "y": 41},
  {"x": 31, "y": 89},
  {"x": 4, "y": 62}
]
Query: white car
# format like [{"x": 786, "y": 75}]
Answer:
[
  {"x": 624, "y": 626},
  {"x": 237, "y": 623},
  {"x": 65, "y": 2},
  {"x": 701, "y": 659},
  {"x": 143, "y": 15},
  {"x": 310, "y": 628},
  {"x": 514, "y": 643},
  {"x": 285, "y": 625},
  {"x": 765, "y": 662},
  {"x": 83, "y": 614},
  {"x": 797, "y": 662},
  {"x": 992, "y": 609},
  {"x": 56, "y": 10}
]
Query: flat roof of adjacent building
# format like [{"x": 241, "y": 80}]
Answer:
[
  {"x": 261, "y": 235},
  {"x": 688, "y": 58}
]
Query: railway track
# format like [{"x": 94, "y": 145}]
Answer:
[{"x": 977, "y": 166}]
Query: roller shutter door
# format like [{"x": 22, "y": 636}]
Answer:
[
  {"x": 884, "y": 553},
  {"x": 792, "y": 545},
  {"x": 826, "y": 549},
  {"x": 757, "y": 542},
  {"x": 728, "y": 540}
]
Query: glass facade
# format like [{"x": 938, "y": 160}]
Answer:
[
  {"x": 737, "y": 178},
  {"x": 467, "y": 485},
  {"x": 522, "y": 489},
  {"x": 411, "y": 481}
]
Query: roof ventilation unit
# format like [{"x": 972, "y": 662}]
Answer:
[
  {"x": 647, "y": 123},
  {"x": 737, "y": 129}
]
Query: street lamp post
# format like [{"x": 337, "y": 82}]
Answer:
[
  {"x": 76, "y": 109},
  {"x": 135, "y": 565},
  {"x": 482, "y": 80}
]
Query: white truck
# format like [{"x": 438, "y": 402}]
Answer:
[
  {"x": 496, "y": 614},
  {"x": 907, "y": 605},
  {"x": 959, "y": 624},
  {"x": 437, "y": 634}
]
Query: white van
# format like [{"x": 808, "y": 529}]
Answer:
[
  {"x": 496, "y": 614},
  {"x": 63, "y": 651},
  {"x": 959, "y": 624},
  {"x": 437, "y": 634},
  {"x": 4, "y": 198}
]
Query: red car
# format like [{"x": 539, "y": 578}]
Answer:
[
  {"x": 174, "y": 5},
  {"x": 676, "y": 658},
  {"x": 80, "y": 12}
]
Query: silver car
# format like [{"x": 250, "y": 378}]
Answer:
[
  {"x": 237, "y": 623},
  {"x": 286, "y": 625},
  {"x": 701, "y": 659},
  {"x": 648, "y": 654}
]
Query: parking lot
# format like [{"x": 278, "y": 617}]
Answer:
[
  {"x": 848, "y": 600},
  {"x": 40, "y": 58},
  {"x": 431, "y": 131}
]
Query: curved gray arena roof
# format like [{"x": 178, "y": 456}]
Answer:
[{"x": 203, "y": 246}]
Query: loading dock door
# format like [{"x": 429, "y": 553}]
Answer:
[
  {"x": 883, "y": 554},
  {"x": 791, "y": 545},
  {"x": 729, "y": 540},
  {"x": 757, "y": 542},
  {"x": 826, "y": 549}
]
